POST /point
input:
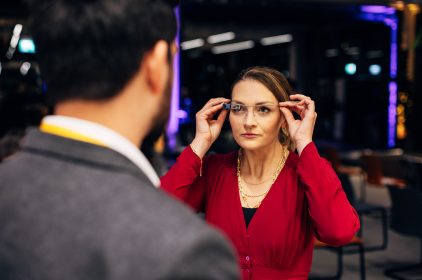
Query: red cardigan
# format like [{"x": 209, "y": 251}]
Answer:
[{"x": 306, "y": 200}]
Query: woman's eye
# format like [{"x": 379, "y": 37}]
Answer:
[
  {"x": 236, "y": 108},
  {"x": 264, "y": 109}
]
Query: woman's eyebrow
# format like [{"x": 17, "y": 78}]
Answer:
[
  {"x": 265, "y": 103},
  {"x": 258, "y": 103},
  {"x": 238, "y": 102}
]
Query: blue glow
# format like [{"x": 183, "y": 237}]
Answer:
[
  {"x": 350, "y": 68},
  {"x": 26, "y": 45},
  {"x": 187, "y": 101},
  {"x": 375, "y": 69}
]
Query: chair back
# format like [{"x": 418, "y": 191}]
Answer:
[
  {"x": 331, "y": 154},
  {"x": 372, "y": 166}
]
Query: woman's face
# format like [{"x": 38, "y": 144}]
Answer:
[{"x": 255, "y": 117}]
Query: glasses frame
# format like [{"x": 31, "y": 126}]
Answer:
[{"x": 230, "y": 106}]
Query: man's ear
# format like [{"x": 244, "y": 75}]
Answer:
[{"x": 156, "y": 67}]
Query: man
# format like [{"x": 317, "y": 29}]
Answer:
[{"x": 80, "y": 201}]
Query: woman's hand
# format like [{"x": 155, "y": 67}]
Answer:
[
  {"x": 300, "y": 130},
  {"x": 208, "y": 129}
]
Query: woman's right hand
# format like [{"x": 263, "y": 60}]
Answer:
[{"x": 208, "y": 129}]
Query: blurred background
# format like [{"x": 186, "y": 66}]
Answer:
[
  {"x": 361, "y": 61},
  {"x": 357, "y": 59}
]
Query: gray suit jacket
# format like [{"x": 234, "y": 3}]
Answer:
[{"x": 72, "y": 210}]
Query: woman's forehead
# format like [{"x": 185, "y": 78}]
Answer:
[{"x": 250, "y": 91}]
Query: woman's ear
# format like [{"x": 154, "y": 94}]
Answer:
[{"x": 283, "y": 123}]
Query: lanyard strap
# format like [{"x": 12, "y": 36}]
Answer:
[{"x": 67, "y": 133}]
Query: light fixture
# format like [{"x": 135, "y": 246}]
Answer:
[
  {"x": 192, "y": 44},
  {"x": 227, "y": 36},
  {"x": 374, "y": 69},
  {"x": 25, "y": 68},
  {"x": 233, "y": 47},
  {"x": 279, "y": 39},
  {"x": 350, "y": 68},
  {"x": 26, "y": 45},
  {"x": 331, "y": 52}
]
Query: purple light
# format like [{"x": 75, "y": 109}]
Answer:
[
  {"x": 377, "y": 10},
  {"x": 387, "y": 16},
  {"x": 173, "y": 124},
  {"x": 392, "y": 23},
  {"x": 182, "y": 114},
  {"x": 392, "y": 86},
  {"x": 393, "y": 62}
]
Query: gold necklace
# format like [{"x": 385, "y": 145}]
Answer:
[
  {"x": 243, "y": 194},
  {"x": 259, "y": 183}
]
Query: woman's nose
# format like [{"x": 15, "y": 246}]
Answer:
[{"x": 250, "y": 119}]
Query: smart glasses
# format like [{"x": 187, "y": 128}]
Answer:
[{"x": 262, "y": 110}]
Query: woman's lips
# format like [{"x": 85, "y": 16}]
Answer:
[{"x": 249, "y": 135}]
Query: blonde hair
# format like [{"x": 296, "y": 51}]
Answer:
[{"x": 275, "y": 82}]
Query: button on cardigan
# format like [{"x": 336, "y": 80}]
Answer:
[{"x": 306, "y": 201}]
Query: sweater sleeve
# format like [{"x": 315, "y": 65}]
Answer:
[
  {"x": 334, "y": 219},
  {"x": 184, "y": 180}
]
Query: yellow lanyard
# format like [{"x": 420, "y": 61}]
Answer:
[{"x": 67, "y": 133}]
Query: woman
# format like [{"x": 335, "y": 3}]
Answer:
[{"x": 270, "y": 201}]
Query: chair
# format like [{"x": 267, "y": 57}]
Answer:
[
  {"x": 406, "y": 219},
  {"x": 356, "y": 242},
  {"x": 363, "y": 208},
  {"x": 357, "y": 245},
  {"x": 374, "y": 174}
]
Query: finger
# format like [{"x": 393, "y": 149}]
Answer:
[
  {"x": 222, "y": 116},
  {"x": 299, "y": 111},
  {"x": 310, "y": 105},
  {"x": 296, "y": 107},
  {"x": 299, "y": 97},
  {"x": 291, "y": 103},
  {"x": 209, "y": 113},
  {"x": 214, "y": 102},
  {"x": 287, "y": 115}
]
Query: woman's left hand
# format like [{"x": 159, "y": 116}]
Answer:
[{"x": 300, "y": 130}]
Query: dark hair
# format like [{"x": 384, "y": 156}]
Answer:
[
  {"x": 275, "y": 82},
  {"x": 91, "y": 49}
]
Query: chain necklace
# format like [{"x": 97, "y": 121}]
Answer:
[
  {"x": 243, "y": 194},
  {"x": 259, "y": 183}
]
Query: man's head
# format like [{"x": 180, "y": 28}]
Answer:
[
  {"x": 91, "y": 49},
  {"x": 93, "y": 52}
]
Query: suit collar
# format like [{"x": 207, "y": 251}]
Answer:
[
  {"x": 80, "y": 152},
  {"x": 95, "y": 133}
]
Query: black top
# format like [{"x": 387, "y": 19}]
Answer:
[{"x": 248, "y": 213}]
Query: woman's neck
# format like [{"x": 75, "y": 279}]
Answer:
[{"x": 258, "y": 165}]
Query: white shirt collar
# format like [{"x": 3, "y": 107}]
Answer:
[{"x": 109, "y": 138}]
